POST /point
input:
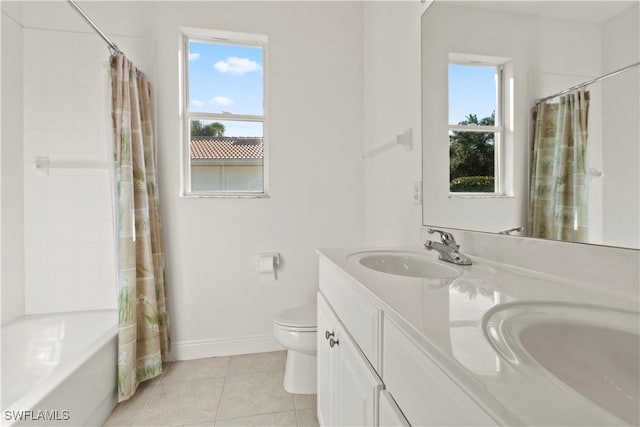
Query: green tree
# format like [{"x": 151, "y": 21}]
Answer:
[
  {"x": 471, "y": 154},
  {"x": 211, "y": 129}
]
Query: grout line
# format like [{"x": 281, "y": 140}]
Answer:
[
  {"x": 224, "y": 383},
  {"x": 295, "y": 414}
]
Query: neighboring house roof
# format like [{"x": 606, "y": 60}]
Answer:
[{"x": 226, "y": 147}]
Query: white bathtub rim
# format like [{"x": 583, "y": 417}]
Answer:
[{"x": 32, "y": 398}]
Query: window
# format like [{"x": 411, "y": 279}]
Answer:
[
  {"x": 224, "y": 114},
  {"x": 475, "y": 126}
]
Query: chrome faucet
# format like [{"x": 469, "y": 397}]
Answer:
[{"x": 447, "y": 248}]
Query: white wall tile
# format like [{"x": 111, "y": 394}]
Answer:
[
  {"x": 87, "y": 47},
  {"x": 39, "y": 302},
  {"x": 86, "y": 117},
  {"x": 87, "y": 95},
  {"x": 59, "y": 45},
  {"x": 36, "y": 231},
  {"x": 62, "y": 277},
  {"x": 68, "y": 212},
  {"x": 61, "y": 186},
  {"x": 35, "y": 116},
  {"x": 60, "y": 208},
  {"x": 35, "y": 44},
  {"x": 35, "y": 140},
  {"x": 60, "y": 232},
  {"x": 86, "y": 73},
  {"x": 60, "y": 141},
  {"x": 35, "y": 94},
  {"x": 60, "y": 72},
  {"x": 38, "y": 255},
  {"x": 59, "y": 94},
  {"x": 35, "y": 70},
  {"x": 59, "y": 117}
]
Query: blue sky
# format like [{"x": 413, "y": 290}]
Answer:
[
  {"x": 230, "y": 78},
  {"x": 472, "y": 90},
  {"x": 227, "y": 78}
]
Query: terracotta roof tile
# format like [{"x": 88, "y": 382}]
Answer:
[{"x": 226, "y": 147}]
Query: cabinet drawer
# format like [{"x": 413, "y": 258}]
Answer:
[
  {"x": 426, "y": 395},
  {"x": 361, "y": 318}
]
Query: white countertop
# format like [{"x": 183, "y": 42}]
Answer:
[{"x": 445, "y": 317}]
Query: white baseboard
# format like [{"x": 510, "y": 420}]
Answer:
[{"x": 199, "y": 349}]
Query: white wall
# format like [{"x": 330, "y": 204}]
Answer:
[
  {"x": 12, "y": 243},
  {"x": 217, "y": 302},
  {"x": 392, "y": 106},
  {"x": 621, "y": 134}
]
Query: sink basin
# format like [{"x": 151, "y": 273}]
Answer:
[
  {"x": 593, "y": 350},
  {"x": 405, "y": 263}
]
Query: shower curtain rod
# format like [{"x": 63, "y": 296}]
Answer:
[
  {"x": 112, "y": 46},
  {"x": 597, "y": 79}
]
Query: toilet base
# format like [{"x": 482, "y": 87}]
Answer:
[{"x": 300, "y": 373}]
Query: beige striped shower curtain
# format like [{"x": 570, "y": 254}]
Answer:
[
  {"x": 558, "y": 199},
  {"x": 143, "y": 328}
]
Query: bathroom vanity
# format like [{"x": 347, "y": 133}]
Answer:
[{"x": 406, "y": 339}]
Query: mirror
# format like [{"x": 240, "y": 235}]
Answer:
[{"x": 535, "y": 49}]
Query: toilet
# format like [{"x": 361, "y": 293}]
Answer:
[{"x": 295, "y": 329}]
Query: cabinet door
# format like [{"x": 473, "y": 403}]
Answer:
[
  {"x": 348, "y": 386},
  {"x": 357, "y": 385},
  {"x": 390, "y": 414},
  {"x": 326, "y": 360}
]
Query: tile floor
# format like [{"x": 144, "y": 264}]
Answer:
[{"x": 241, "y": 390}]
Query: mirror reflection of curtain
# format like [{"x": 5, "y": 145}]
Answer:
[{"x": 558, "y": 188}]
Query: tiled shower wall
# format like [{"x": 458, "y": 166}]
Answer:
[{"x": 69, "y": 253}]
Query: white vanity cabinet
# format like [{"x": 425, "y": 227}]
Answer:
[
  {"x": 348, "y": 387},
  {"x": 427, "y": 396},
  {"x": 389, "y": 412},
  {"x": 370, "y": 373}
]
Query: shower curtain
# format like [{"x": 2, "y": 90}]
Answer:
[
  {"x": 558, "y": 188},
  {"x": 143, "y": 333}
]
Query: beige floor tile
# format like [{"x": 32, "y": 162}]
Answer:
[
  {"x": 254, "y": 394},
  {"x": 198, "y": 368},
  {"x": 182, "y": 402},
  {"x": 304, "y": 401},
  {"x": 258, "y": 362},
  {"x": 201, "y": 424},
  {"x": 307, "y": 417},
  {"x": 125, "y": 412},
  {"x": 281, "y": 419}
]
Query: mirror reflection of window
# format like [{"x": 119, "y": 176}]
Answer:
[{"x": 475, "y": 126}]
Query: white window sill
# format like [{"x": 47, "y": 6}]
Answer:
[{"x": 203, "y": 195}]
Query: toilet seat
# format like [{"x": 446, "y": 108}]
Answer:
[{"x": 302, "y": 319}]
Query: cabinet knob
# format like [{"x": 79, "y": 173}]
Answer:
[
  {"x": 328, "y": 334},
  {"x": 333, "y": 342}
]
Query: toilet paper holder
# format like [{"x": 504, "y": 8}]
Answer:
[
  {"x": 267, "y": 264},
  {"x": 274, "y": 255}
]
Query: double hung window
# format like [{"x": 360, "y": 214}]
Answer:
[
  {"x": 475, "y": 127},
  {"x": 224, "y": 114}
]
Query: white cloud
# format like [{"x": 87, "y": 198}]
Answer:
[
  {"x": 237, "y": 66},
  {"x": 193, "y": 56},
  {"x": 197, "y": 103},
  {"x": 221, "y": 100}
]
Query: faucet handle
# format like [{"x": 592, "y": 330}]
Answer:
[{"x": 445, "y": 237}]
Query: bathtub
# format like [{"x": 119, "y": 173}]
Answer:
[{"x": 59, "y": 369}]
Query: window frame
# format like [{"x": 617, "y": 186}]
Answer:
[
  {"x": 498, "y": 129},
  {"x": 222, "y": 38}
]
